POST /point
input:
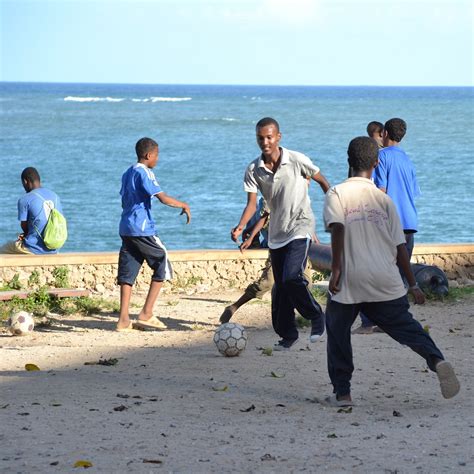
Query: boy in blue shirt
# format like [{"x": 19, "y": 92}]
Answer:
[
  {"x": 139, "y": 242},
  {"x": 395, "y": 175},
  {"x": 33, "y": 212}
]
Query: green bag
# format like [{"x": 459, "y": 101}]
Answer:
[{"x": 55, "y": 231}]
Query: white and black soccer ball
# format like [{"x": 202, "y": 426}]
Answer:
[
  {"x": 230, "y": 339},
  {"x": 21, "y": 323}
]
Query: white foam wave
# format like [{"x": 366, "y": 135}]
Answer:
[
  {"x": 92, "y": 99},
  {"x": 229, "y": 119},
  {"x": 170, "y": 99}
]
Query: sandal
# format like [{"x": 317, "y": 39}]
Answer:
[
  {"x": 127, "y": 328},
  {"x": 152, "y": 323}
]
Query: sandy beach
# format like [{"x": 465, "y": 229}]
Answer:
[{"x": 172, "y": 403}]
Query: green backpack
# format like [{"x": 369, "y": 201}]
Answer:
[{"x": 55, "y": 231}]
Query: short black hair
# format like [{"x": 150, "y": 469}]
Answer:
[
  {"x": 30, "y": 175},
  {"x": 363, "y": 153},
  {"x": 265, "y": 122},
  {"x": 374, "y": 127},
  {"x": 396, "y": 129},
  {"x": 145, "y": 145}
]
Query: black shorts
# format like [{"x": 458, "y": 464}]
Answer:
[{"x": 134, "y": 251}]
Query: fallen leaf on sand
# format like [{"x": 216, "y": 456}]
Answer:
[
  {"x": 276, "y": 376},
  {"x": 268, "y": 351},
  {"x": 120, "y": 408},
  {"x": 396, "y": 413},
  {"x": 250, "y": 408},
  {"x": 332, "y": 435},
  {"x": 84, "y": 464},
  {"x": 345, "y": 410},
  {"x": 153, "y": 461},
  {"x": 223, "y": 389},
  {"x": 103, "y": 362},
  {"x": 31, "y": 367}
]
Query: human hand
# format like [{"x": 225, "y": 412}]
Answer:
[
  {"x": 21, "y": 237},
  {"x": 186, "y": 210},
  {"x": 334, "y": 281},
  {"x": 245, "y": 245},
  {"x": 417, "y": 294},
  {"x": 235, "y": 232}
]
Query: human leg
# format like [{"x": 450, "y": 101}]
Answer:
[
  {"x": 395, "y": 319},
  {"x": 339, "y": 319},
  {"x": 15, "y": 247},
  {"x": 283, "y": 314},
  {"x": 130, "y": 263},
  {"x": 255, "y": 290},
  {"x": 297, "y": 289}
]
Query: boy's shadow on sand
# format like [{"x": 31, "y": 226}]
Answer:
[{"x": 108, "y": 322}]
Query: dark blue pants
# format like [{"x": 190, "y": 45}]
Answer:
[
  {"x": 392, "y": 316},
  {"x": 409, "y": 243},
  {"x": 290, "y": 290}
]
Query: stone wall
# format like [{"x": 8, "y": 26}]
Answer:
[{"x": 196, "y": 270}]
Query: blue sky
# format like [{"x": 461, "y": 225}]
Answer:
[{"x": 302, "y": 42}]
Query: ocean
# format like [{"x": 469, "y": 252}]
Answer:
[{"x": 81, "y": 138}]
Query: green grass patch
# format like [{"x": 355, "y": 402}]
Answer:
[
  {"x": 40, "y": 302},
  {"x": 454, "y": 294},
  {"x": 302, "y": 322}
]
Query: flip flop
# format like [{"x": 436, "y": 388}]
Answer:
[
  {"x": 332, "y": 401},
  {"x": 127, "y": 328},
  {"x": 152, "y": 323},
  {"x": 448, "y": 381}
]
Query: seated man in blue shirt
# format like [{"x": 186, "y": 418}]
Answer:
[
  {"x": 33, "y": 212},
  {"x": 137, "y": 230}
]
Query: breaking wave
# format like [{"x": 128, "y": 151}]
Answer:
[{"x": 112, "y": 99}]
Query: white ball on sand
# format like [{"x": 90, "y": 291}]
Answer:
[
  {"x": 21, "y": 323},
  {"x": 230, "y": 339}
]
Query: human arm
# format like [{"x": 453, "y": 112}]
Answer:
[
  {"x": 321, "y": 180},
  {"x": 403, "y": 263},
  {"x": 247, "y": 214},
  {"x": 172, "y": 202},
  {"x": 337, "y": 248},
  {"x": 259, "y": 225},
  {"x": 24, "y": 228}
]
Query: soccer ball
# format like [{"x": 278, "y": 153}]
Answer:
[
  {"x": 21, "y": 323},
  {"x": 230, "y": 339}
]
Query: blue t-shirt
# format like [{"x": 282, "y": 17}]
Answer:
[
  {"x": 34, "y": 208},
  {"x": 138, "y": 186},
  {"x": 396, "y": 174}
]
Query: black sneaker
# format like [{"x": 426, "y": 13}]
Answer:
[{"x": 284, "y": 344}]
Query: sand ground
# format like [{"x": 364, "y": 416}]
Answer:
[{"x": 163, "y": 406}]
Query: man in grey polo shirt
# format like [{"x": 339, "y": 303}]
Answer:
[{"x": 281, "y": 176}]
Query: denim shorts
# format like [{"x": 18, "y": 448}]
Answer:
[{"x": 134, "y": 251}]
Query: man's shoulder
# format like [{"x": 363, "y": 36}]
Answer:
[{"x": 296, "y": 156}]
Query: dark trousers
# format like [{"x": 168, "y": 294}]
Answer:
[
  {"x": 392, "y": 316},
  {"x": 290, "y": 290},
  {"x": 409, "y": 244}
]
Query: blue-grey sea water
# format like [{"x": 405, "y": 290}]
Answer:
[{"x": 81, "y": 138}]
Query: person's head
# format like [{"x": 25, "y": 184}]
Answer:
[
  {"x": 30, "y": 179},
  {"x": 394, "y": 130},
  {"x": 363, "y": 153},
  {"x": 147, "y": 152},
  {"x": 268, "y": 136},
  {"x": 375, "y": 131}
]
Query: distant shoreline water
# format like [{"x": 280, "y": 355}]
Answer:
[{"x": 81, "y": 138}]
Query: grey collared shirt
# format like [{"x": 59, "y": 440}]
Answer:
[{"x": 286, "y": 194}]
